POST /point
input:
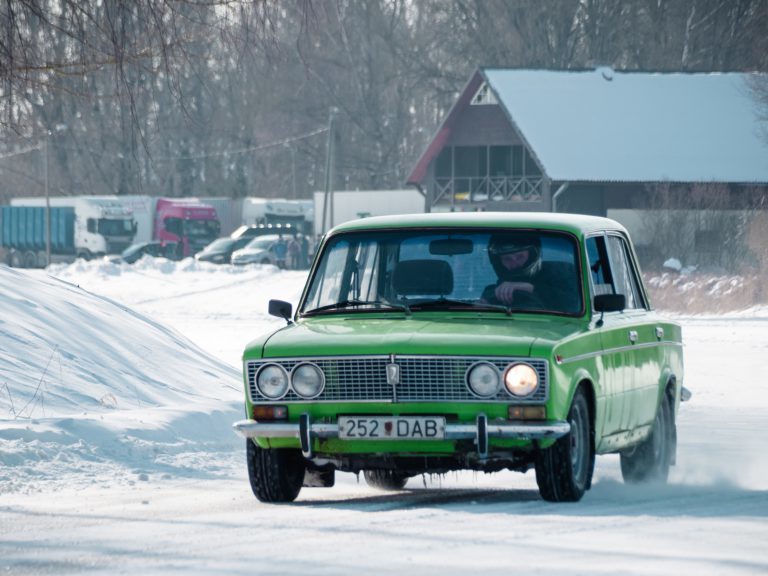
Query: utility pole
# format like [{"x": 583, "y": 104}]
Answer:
[
  {"x": 47, "y": 203},
  {"x": 329, "y": 168}
]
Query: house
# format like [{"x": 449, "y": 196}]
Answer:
[{"x": 589, "y": 141}]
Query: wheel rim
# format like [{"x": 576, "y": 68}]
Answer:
[
  {"x": 659, "y": 434},
  {"x": 578, "y": 438}
]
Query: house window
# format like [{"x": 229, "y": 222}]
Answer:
[{"x": 484, "y": 95}]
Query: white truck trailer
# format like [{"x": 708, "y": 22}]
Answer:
[{"x": 352, "y": 204}]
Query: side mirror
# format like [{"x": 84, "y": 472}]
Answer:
[
  {"x": 281, "y": 309},
  {"x": 610, "y": 302}
]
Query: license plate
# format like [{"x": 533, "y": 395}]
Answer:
[{"x": 392, "y": 427}]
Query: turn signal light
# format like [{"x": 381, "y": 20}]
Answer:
[
  {"x": 270, "y": 412},
  {"x": 527, "y": 413}
]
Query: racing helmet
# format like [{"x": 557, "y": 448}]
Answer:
[{"x": 509, "y": 243}]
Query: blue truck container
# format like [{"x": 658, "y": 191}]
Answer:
[{"x": 23, "y": 233}]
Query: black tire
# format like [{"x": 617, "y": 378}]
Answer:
[
  {"x": 16, "y": 260},
  {"x": 564, "y": 470},
  {"x": 385, "y": 479},
  {"x": 30, "y": 259},
  {"x": 650, "y": 460},
  {"x": 276, "y": 475}
]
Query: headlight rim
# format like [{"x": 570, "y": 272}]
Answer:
[
  {"x": 322, "y": 380},
  {"x": 287, "y": 381},
  {"x": 532, "y": 391},
  {"x": 499, "y": 382}
]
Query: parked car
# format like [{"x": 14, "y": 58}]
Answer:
[
  {"x": 261, "y": 230},
  {"x": 157, "y": 249},
  {"x": 220, "y": 250},
  {"x": 429, "y": 343},
  {"x": 259, "y": 250}
]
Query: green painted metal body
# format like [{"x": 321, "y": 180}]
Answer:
[{"x": 624, "y": 378}]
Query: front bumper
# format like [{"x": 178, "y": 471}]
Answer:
[{"x": 306, "y": 431}]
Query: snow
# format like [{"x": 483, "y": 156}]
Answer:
[
  {"x": 118, "y": 385},
  {"x": 683, "y": 127}
]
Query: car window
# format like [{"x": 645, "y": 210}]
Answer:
[
  {"x": 623, "y": 271},
  {"x": 611, "y": 269}
]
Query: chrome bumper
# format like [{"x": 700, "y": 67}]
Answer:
[{"x": 480, "y": 431}]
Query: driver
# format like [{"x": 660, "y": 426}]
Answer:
[{"x": 516, "y": 259}]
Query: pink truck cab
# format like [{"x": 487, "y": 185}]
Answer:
[{"x": 190, "y": 224}]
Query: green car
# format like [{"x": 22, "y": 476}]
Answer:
[{"x": 429, "y": 343}]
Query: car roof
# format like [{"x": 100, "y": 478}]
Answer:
[{"x": 574, "y": 223}]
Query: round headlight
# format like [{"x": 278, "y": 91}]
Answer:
[
  {"x": 483, "y": 379},
  {"x": 307, "y": 380},
  {"x": 521, "y": 380},
  {"x": 272, "y": 381}
]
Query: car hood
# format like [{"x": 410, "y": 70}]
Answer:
[{"x": 467, "y": 335}]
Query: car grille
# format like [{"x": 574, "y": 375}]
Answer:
[{"x": 422, "y": 379}]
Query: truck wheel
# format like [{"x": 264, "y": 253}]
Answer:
[
  {"x": 84, "y": 255},
  {"x": 276, "y": 475},
  {"x": 650, "y": 460},
  {"x": 16, "y": 260},
  {"x": 385, "y": 479},
  {"x": 564, "y": 470},
  {"x": 42, "y": 260},
  {"x": 30, "y": 259}
]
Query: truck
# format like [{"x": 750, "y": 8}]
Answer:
[
  {"x": 296, "y": 214},
  {"x": 100, "y": 225},
  {"x": 187, "y": 223},
  {"x": 353, "y": 204}
]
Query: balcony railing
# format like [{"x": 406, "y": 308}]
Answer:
[{"x": 470, "y": 189}]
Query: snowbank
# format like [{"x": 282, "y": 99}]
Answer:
[{"x": 88, "y": 383}]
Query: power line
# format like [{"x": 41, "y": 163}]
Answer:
[
  {"x": 273, "y": 144},
  {"x": 34, "y": 148}
]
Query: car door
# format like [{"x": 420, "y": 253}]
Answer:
[
  {"x": 641, "y": 379},
  {"x": 614, "y": 335}
]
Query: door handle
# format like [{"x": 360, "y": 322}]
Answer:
[
  {"x": 633, "y": 336},
  {"x": 659, "y": 332}
]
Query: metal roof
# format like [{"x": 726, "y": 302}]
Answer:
[{"x": 604, "y": 125}]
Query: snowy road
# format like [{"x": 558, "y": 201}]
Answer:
[{"x": 200, "y": 518}]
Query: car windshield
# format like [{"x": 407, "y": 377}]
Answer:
[
  {"x": 261, "y": 243},
  {"x": 472, "y": 270},
  {"x": 133, "y": 249},
  {"x": 220, "y": 244}
]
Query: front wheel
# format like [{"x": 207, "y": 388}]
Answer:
[
  {"x": 564, "y": 470},
  {"x": 385, "y": 479},
  {"x": 276, "y": 475},
  {"x": 650, "y": 460}
]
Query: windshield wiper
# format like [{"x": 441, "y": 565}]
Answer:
[
  {"x": 354, "y": 303},
  {"x": 453, "y": 303}
]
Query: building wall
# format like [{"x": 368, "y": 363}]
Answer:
[{"x": 485, "y": 125}]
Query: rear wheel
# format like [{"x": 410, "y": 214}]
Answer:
[
  {"x": 16, "y": 259},
  {"x": 650, "y": 460},
  {"x": 30, "y": 259},
  {"x": 564, "y": 470},
  {"x": 276, "y": 475},
  {"x": 385, "y": 479}
]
